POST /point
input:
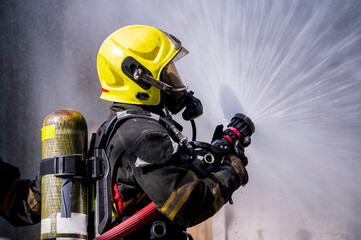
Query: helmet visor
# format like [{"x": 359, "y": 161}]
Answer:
[
  {"x": 177, "y": 45},
  {"x": 180, "y": 54},
  {"x": 175, "y": 100},
  {"x": 171, "y": 76}
]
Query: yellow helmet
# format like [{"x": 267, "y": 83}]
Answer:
[{"x": 130, "y": 64}]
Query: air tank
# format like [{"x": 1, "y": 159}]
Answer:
[{"x": 64, "y": 197}]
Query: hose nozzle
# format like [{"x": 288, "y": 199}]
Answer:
[{"x": 243, "y": 127}]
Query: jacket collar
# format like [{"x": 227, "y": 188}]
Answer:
[{"x": 118, "y": 107}]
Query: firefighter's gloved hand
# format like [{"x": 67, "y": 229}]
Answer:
[
  {"x": 239, "y": 152},
  {"x": 234, "y": 166}
]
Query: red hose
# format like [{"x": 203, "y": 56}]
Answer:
[{"x": 131, "y": 224}]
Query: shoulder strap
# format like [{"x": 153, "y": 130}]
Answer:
[{"x": 108, "y": 128}]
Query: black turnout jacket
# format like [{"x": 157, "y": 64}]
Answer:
[{"x": 147, "y": 166}]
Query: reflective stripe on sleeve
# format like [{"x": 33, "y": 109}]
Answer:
[
  {"x": 179, "y": 195},
  {"x": 216, "y": 191}
]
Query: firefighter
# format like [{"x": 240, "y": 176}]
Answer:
[
  {"x": 19, "y": 198},
  {"x": 137, "y": 73}
]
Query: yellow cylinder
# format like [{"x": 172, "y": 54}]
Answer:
[{"x": 64, "y": 132}]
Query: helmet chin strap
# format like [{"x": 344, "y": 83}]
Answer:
[{"x": 140, "y": 75}]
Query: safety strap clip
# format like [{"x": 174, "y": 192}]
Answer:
[
  {"x": 68, "y": 165},
  {"x": 95, "y": 168}
]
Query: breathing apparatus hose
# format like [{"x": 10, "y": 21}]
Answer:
[
  {"x": 131, "y": 224},
  {"x": 194, "y": 130}
]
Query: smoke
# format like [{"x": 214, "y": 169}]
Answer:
[{"x": 293, "y": 67}]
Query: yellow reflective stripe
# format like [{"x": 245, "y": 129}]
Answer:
[
  {"x": 182, "y": 200},
  {"x": 140, "y": 197},
  {"x": 127, "y": 202},
  {"x": 218, "y": 203},
  {"x": 115, "y": 213},
  {"x": 180, "y": 195},
  {"x": 173, "y": 195},
  {"x": 48, "y": 132},
  {"x": 137, "y": 198},
  {"x": 218, "y": 199},
  {"x": 168, "y": 202}
]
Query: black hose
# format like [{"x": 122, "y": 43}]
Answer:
[{"x": 194, "y": 130}]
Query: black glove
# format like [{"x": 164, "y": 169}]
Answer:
[
  {"x": 234, "y": 166},
  {"x": 239, "y": 152},
  {"x": 238, "y": 148},
  {"x": 8, "y": 173},
  {"x": 218, "y": 133}
]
